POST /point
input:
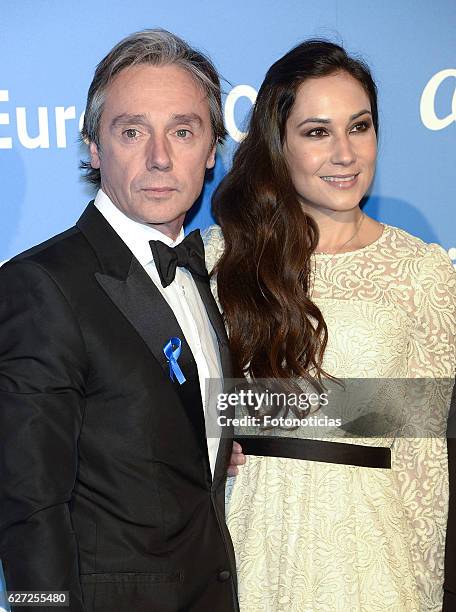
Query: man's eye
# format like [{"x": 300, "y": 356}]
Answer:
[
  {"x": 182, "y": 133},
  {"x": 131, "y": 133}
]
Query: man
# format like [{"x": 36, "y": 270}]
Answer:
[
  {"x": 109, "y": 489},
  {"x": 449, "y": 586}
]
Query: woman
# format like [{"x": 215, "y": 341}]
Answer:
[{"x": 312, "y": 287}]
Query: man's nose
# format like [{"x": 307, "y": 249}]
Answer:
[
  {"x": 158, "y": 154},
  {"x": 344, "y": 152}
]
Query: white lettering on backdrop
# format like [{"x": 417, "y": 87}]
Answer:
[
  {"x": 427, "y": 103},
  {"x": 240, "y": 91}
]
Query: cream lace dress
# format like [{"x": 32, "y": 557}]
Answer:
[{"x": 322, "y": 537}]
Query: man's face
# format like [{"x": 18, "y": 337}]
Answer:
[{"x": 155, "y": 144}]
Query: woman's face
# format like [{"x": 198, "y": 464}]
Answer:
[{"x": 330, "y": 144}]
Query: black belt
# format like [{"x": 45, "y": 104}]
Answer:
[{"x": 316, "y": 450}]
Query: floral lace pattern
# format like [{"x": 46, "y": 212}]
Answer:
[{"x": 321, "y": 537}]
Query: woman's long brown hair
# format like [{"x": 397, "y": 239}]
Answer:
[{"x": 264, "y": 274}]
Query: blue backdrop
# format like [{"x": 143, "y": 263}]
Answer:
[{"x": 49, "y": 50}]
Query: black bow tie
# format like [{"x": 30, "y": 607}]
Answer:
[{"x": 188, "y": 254}]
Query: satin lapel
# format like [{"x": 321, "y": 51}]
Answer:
[
  {"x": 143, "y": 305},
  {"x": 223, "y": 457},
  {"x": 216, "y": 319},
  {"x": 129, "y": 287}
]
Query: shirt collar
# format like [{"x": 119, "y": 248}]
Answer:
[{"x": 136, "y": 235}]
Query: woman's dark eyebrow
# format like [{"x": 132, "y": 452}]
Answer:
[
  {"x": 326, "y": 121},
  {"x": 314, "y": 120},
  {"x": 363, "y": 112}
]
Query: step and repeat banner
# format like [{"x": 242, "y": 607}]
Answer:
[{"x": 49, "y": 50}]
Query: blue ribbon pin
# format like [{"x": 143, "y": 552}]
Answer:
[{"x": 172, "y": 350}]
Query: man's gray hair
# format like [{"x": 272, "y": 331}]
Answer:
[{"x": 158, "y": 48}]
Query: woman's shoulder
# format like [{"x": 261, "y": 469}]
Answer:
[
  {"x": 411, "y": 246},
  {"x": 428, "y": 263},
  {"x": 213, "y": 245}
]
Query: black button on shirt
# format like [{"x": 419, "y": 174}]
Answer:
[{"x": 224, "y": 575}]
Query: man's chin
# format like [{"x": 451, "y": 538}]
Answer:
[{"x": 170, "y": 225}]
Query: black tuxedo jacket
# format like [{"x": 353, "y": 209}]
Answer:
[
  {"x": 105, "y": 485},
  {"x": 449, "y": 598}
]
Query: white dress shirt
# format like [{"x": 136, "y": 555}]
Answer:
[{"x": 182, "y": 296}]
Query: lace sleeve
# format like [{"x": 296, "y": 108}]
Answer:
[
  {"x": 432, "y": 348},
  {"x": 420, "y": 462},
  {"x": 213, "y": 247}
]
